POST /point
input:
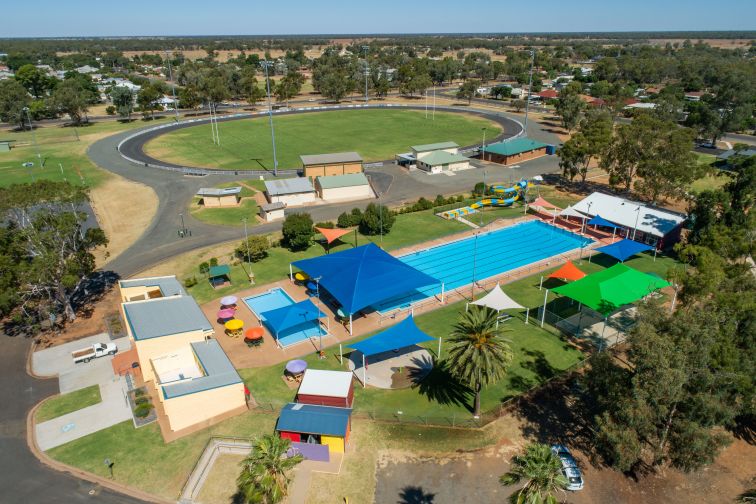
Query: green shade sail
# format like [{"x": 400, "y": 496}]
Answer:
[{"x": 609, "y": 289}]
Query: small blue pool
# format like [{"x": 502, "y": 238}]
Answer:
[
  {"x": 497, "y": 252},
  {"x": 278, "y": 298}
]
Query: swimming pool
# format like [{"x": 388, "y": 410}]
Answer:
[
  {"x": 497, "y": 252},
  {"x": 278, "y": 298}
]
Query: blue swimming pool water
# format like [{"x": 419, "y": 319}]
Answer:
[
  {"x": 278, "y": 298},
  {"x": 497, "y": 252}
]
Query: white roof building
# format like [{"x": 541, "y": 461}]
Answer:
[
  {"x": 648, "y": 219},
  {"x": 321, "y": 382}
]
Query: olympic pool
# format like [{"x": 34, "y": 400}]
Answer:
[{"x": 496, "y": 252}]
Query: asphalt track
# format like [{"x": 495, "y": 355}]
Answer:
[{"x": 160, "y": 241}]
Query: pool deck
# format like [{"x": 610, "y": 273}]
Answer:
[{"x": 269, "y": 353}]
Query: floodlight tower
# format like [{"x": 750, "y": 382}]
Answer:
[
  {"x": 367, "y": 70},
  {"x": 173, "y": 88},
  {"x": 265, "y": 64},
  {"x": 530, "y": 86}
]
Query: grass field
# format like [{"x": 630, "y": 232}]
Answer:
[
  {"x": 58, "y": 147},
  {"x": 66, "y": 403},
  {"x": 374, "y": 134}
]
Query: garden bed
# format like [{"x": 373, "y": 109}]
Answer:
[{"x": 141, "y": 408}]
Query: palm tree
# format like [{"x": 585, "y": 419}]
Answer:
[
  {"x": 265, "y": 475},
  {"x": 478, "y": 353},
  {"x": 542, "y": 472}
]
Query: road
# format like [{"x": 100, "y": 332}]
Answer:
[
  {"x": 160, "y": 240},
  {"x": 23, "y": 478}
]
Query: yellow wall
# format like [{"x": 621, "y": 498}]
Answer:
[
  {"x": 335, "y": 444},
  {"x": 191, "y": 409},
  {"x": 346, "y": 193},
  {"x": 220, "y": 201},
  {"x": 327, "y": 170},
  {"x": 155, "y": 347}
]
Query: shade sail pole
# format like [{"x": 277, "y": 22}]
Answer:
[
  {"x": 341, "y": 355},
  {"x": 443, "y": 288},
  {"x": 439, "y": 348},
  {"x": 291, "y": 273},
  {"x": 540, "y": 285},
  {"x": 527, "y": 315},
  {"x": 364, "y": 372},
  {"x": 350, "y": 324},
  {"x": 543, "y": 315}
]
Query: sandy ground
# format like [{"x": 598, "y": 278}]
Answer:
[
  {"x": 220, "y": 485},
  {"x": 722, "y": 43},
  {"x": 122, "y": 217}
]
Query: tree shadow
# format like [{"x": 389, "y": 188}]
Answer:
[
  {"x": 415, "y": 495},
  {"x": 539, "y": 365},
  {"x": 440, "y": 385}
]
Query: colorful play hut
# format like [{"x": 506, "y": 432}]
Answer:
[
  {"x": 315, "y": 431},
  {"x": 326, "y": 388}
]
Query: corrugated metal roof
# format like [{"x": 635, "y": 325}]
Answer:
[
  {"x": 442, "y": 158},
  {"x": 269, "y": 207},
  {"x": 434, "y": 146},
  {"x": 216, "y": 191},
  {"x": 348, "y": 180},
  {"x": 168, "y": 285},
  {"x": 516, "y": 146},
  {"x": 732, "y": 152},
  {"x": 219, "y": 372},
  {"x": 220, "y": 270},
  {"x": 336, "y": 157},
  {"x": 311, "y": 419},
  {"x": 165, "y": 316},
  {"x": 288, "y": 186},
  {"x": 327, "y": 383}
]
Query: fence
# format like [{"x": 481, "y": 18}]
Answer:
[{"x": 214, "y": 447}]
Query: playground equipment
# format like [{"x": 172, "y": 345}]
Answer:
[{"x": 510, "y": 195}]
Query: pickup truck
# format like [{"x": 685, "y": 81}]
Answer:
[{"x": 93, "y": 352}]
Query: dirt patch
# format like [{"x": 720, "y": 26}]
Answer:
[
  {"x": 89, "y": 321},
  {"x": 124, "y": 209}
]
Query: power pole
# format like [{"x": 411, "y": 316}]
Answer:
[
  {"x": 170, "y": 76},
  {"x": 265, "y": 64},
  {"x": 34, "y": 135},
  {"x": 530, "y": 85},
  {"x": 367, "y": 70}
]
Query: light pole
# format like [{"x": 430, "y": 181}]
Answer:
[
  {"x": 483, "y": 152},
  {"x": 265, "y": 64},
  {"x": 246, "y": 241},
  {"x": 320, "y": 329},
  {"x": 475, "y": 257},
  {"x": 182, "y": 231},
  {"x": 34, "y": 135},
  {"x": 380, "y": 215},
  {"x": 170, "y": 76},
  {"x": 367, "y": 70},
  {"x": 484, "y": 193},
  {"x": 530, "y": 85}
]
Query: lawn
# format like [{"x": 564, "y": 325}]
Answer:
[
  {"x": 408, "y": 229},
  {"x": 63, "y": 404},
  {"x": 226, "y": 216},
  {"x": 375, "y": 134},
  {"x": 58, "y": 147}
]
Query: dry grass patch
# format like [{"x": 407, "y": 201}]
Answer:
[{"x": 220, "y": 485}]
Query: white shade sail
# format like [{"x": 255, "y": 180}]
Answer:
[
  {"x": 571, "y": 212},
  {"x": 498, "y": 300}
]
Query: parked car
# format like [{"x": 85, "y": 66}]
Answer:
[
  {"x": 569, "y": 467},
  {"x": 93, "y": 352}
]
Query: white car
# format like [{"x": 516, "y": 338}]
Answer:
[{"x": 569, "y": 467}]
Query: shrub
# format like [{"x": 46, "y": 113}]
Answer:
[
  {"x": 439, "y": 201},
  {"x": 344, "y": 220},
  {"x": 142, "y": 410},
  {"x": 325, "y": 225},
  {"x": 297, "y": 231},
  {"x": 190, "y": 281},
  {"x": 139, "y": 393},
  {"x": 110, "y": 110},
  {"x": 141, "y": 400},
  {"x": 356, "y": 214},
  {"x": 460, "y": 198},
  {"x": 213, "y": 261},
  {"x": 480, "y": 189},
  {"x": 377, "y": 218},
  {"x": 204, "y": 267},
  {"x": 254, "y": 249}
]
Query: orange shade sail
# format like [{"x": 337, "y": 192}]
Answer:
[
  {"x": 568, "y": 272},
  {"x": 540, "y": 202},
  {"x": 331, "y": 235}
]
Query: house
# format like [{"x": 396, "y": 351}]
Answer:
[
  {"x": 694, "y": 96},
  {"x": 272, "y": 211},
  {"x": 353, "y": 186},
  {"x": 326, "y": 388},
  {"x": 166, "y": 102},
  {"x": 184, "y": 368},
  {"x": 439, "y": 157},
  {"x": 291, "y": 192},
  {"x": 6, "y": 74},
  {"x": 323, "y": 429},
  {"x": 325, "y": 165},
  {"x": 642, "y": 222},
  {"x": 728, "y": 156},
  {"x": 86, "y": 69},
  {"x": 548, "y": 94},
  {"x": 640, "y": 106},
  {"x": 516, "y": 151},
  {"x": 420, "y": 151},
  {"x": 213, "y": 197}
]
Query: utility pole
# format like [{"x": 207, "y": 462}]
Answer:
[
  {"x": 170, "y": 76},
  {"x": 246, "y": 241},
  {"x": 265, "y": 64},
  {"x": 367, "y": 70},
  {"x": 483, "y": 151},
  {"x": 530, "y": 85}
]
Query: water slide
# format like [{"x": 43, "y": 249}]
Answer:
[{"x": 509, "y": 196}]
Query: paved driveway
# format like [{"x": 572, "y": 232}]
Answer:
[{"x": 114, "y": 407}]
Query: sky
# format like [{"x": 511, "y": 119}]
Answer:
[{"x": 79, "y": 18}]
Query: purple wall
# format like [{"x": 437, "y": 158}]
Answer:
[{"x": 310, "y": 451}]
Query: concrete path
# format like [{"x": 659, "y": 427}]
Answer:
[{"x": 114, "y": 408}]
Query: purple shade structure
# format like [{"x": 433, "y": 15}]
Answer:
[
  {"x": 309, "y": 451},
  {"x": 227, "y": 313},
  {"x": 296, "y": 366},
  {"x": 228, "y": 300}
]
